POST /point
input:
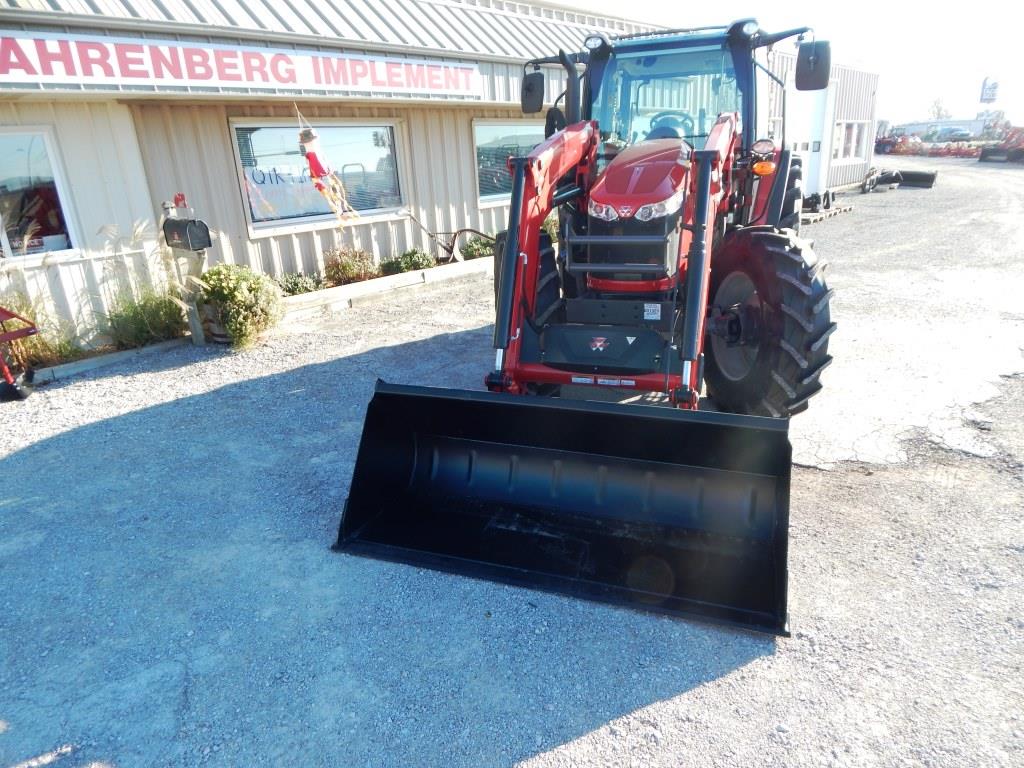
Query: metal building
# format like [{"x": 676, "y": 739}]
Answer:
[
  {"x": 833, "y": 130},
  {"x": 109, "y": 108}
]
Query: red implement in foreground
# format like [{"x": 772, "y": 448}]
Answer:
[{"x": 14, "y": 385}]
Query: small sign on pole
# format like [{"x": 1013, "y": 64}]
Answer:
[{"x": 989, "y": 90}]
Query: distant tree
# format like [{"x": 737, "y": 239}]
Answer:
[{"x": 938, "y": 111}]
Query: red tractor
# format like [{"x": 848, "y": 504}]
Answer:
[{"x": 677, "y": 268}]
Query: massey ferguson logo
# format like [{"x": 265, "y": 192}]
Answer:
[
  {"x": 599, "y": 343},
  {"x": 625, "y": 210}
]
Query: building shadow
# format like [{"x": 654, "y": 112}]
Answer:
[{"x": 169, "y": 597}]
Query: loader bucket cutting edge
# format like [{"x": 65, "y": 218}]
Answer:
[{"x": 677, "y": 512}]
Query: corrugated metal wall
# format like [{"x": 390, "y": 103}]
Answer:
[
  {"x": 96, "y": 147},
  {"x": 855, "y": 102},
  {"x": 855, "y": 95},
  {"x": 187, "y": 148}
]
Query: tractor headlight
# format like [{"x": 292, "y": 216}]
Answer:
[
  {"x": 601, "y": 211},
  {"x": 664, "y": 208}
]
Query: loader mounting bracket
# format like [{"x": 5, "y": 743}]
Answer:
[{"x": 496, "y": 381}]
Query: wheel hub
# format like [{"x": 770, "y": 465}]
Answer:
[{"x": 736, "y": 326}]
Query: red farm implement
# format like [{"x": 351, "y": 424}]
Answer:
[{"x": 15, "y": 379}]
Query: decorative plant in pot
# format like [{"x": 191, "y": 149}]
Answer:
[{"x": 238, "y": 304}]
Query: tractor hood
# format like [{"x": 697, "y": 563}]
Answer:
[{"x": 645, "y": 173}]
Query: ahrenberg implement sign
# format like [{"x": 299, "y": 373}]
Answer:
[{"x": 30, "y": 58}]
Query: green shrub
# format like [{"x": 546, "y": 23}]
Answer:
[
  {"x": 153, "y": 317},
  {"x": 248, "y": 303},
  {"x": 477, "y": 248},
  {"x": 412, "y": 260},
  {"x": 348, "y": 265},
  {"x": 294, "y": 283}
]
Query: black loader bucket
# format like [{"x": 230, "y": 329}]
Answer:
[{"x": 679, "y": 512}]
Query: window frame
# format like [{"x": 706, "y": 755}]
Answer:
[
  {"x": 860, "y": 150},
  {"x": 493, "y": 201},
  {"x": 278, "y": 227},
  {"x": 63, "y": 196}
]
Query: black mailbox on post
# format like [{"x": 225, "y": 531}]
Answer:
[{"x": 187, "y": 234}]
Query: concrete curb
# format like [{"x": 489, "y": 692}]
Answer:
[
  {"x": 66, "y": 370},
  {"x": 296, "y": 307},
  {"x": 356, "y": 294}
]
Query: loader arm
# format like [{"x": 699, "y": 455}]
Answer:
[
  {"x": 708, "y": 185},
  {"x": 535, "y": 180}
]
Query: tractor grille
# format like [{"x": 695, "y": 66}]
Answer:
[{"x": 663, "y": 254}]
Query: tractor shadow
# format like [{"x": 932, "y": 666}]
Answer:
[{"x": 170, "y": 598}]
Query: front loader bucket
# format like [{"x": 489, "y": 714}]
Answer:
[{"x": 679, "y": 512}]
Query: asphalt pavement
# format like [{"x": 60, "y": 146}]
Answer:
[{"x": 168, "y": 596}]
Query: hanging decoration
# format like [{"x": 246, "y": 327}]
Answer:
[{"x": 324, "y": 179}]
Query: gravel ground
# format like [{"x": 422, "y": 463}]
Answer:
[{"x": 167, "y": 596}]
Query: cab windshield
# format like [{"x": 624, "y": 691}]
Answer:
[{"x": 677, "y": 94}]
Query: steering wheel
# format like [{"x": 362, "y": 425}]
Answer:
[{"x": 683, "y": 117}]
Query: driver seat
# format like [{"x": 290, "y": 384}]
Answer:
[
  {"x": 664, "y": 132},
  {"x": 668, "y": 127}
]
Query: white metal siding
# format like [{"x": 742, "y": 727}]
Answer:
[
  {"x": 855, "y": 101},
  {"x": 97, "y": 150},
  {"x": 855, "y": 95},
  {"x": 187, "y": 148}
]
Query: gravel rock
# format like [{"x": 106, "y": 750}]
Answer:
[{"x": 168, "y": 596}]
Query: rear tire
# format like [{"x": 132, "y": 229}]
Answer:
[
  {"x": 547, "y": 282},
  {"x": 548, "y": 295},
  {"x": 777, "y": 376}
]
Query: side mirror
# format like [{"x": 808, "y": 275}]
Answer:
[
  {"x": 532, "y": 94},
  {"x": 554, "y": 121},
  {"x": 813, "y": 66}
]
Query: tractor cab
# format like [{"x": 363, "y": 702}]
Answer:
[
  {"x": 639, "y": 95},
  {"x": 657, "y": 99}
]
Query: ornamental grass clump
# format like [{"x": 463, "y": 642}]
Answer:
[
  {"x": 151, "y": 318},
  {"x": 247, "y": 303},
  {"x": 53, "y": 345},
  {"x": 348, "y": 265}
]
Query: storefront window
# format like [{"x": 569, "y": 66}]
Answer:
[
  {"x": 30, "y": 208},
  {"x": 495, "y": 144},
  {"x": 276, "y": 176}
]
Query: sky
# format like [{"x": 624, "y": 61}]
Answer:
[{"x": 922, "y": 51}]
